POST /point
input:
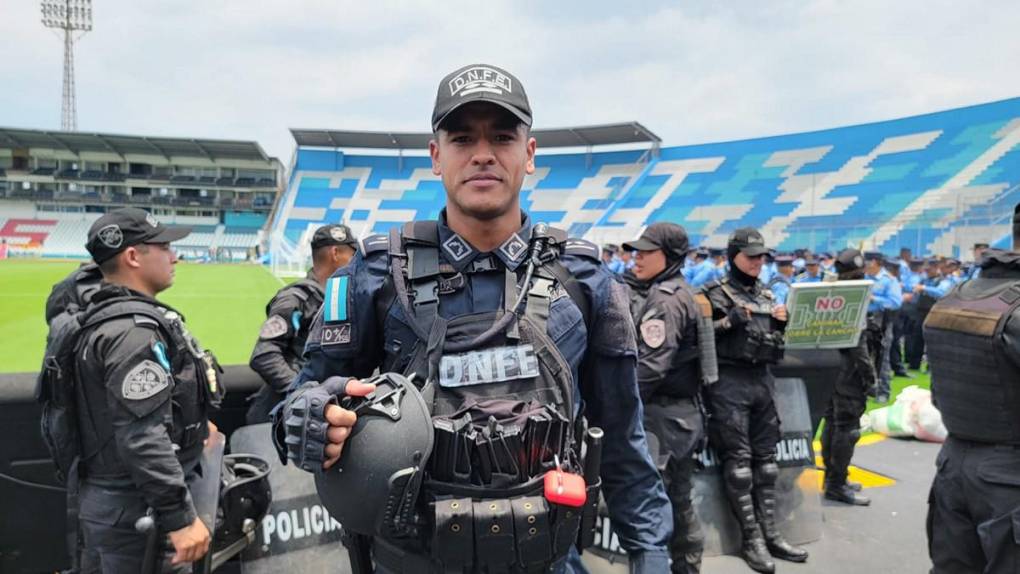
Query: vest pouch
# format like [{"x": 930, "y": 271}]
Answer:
[
  {"x": 494, "y": 533},
  {"x": 566, "y": 524},
  {"x": 453, "y": 536},
  {"x": 531, "y": 524},
  {"x": 752, "y": 348},
  {"x": 772, "y": 348}
]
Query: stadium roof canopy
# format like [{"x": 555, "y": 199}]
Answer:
[
  {"x": 78, "y": 142},
  {"x": 582, "y": 136}
]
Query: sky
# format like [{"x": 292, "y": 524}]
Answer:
[{"x": 692, "y": 72}]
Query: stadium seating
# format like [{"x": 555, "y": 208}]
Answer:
[{"x": 911, "y": 182}]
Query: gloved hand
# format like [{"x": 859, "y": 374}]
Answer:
[
  {"x": 737, "y": 316},
  {"x": 304, "y": 421},
  {"x": 649, "y": 562}
]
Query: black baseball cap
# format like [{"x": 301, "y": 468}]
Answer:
[
  {"x": 333, "y": 234},
  {"x": 671, "y": 238},
  {"x": 874, "y": 256},
  {"x": 480, "y": 83},
  {"x": 748, "y": 241},
  {"x": 981, "y": 245},
  {"x": 784, "y": 260},
  {"x": 121, "y": 228},
  {"x": 849, "y": 260}
]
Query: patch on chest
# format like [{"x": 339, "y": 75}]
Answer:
[
  {"x": 653, "y": 332},
  {"x": 144, "y": 381},
  {"x": 336, "y": 334},
  {"x": 488, "y": 366}
]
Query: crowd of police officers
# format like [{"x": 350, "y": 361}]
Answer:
[{"x": 677, "y": 358}]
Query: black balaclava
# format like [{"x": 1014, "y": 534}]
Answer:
[{"x": 736, "y": 274}]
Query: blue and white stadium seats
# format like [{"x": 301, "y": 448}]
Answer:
[{"x": 930, "y": 182}]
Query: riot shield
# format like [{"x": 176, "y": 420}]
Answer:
[
  {"x": 204, "y": 485},
  {"x": 298, "y": 534},
  {"x": 798, "y": 505}
]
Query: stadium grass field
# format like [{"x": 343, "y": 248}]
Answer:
[{"x": 224, "y": 306}]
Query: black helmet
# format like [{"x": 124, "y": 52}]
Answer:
[
  {"x": 849, "y": 260},
  {"x": 374, "y": 486},
  {"x": 245, "y": 496}
]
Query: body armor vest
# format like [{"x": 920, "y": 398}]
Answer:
[
  {"x": 974, "y": 384},
  {"x": 194, "y": 372},
  {"x": 756, "y": 341},
  {"x": 503, "y": 408},
  {"x": 684, "y": 377}
]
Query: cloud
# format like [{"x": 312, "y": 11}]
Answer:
[{"x": 691, "y": 73}]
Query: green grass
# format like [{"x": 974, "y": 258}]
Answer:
[
  {"x": 224, "y": 306},
  {"x": 920, "y": 379}
]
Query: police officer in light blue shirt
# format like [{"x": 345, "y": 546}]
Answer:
[
  {"x": 975, "y": 268},
  {"x": 712, "y": 269},
  {"x": 886, "y": 297},
  {"x": 693, "y": 264},
  {"x": 485, "y": 277},
  {"x": 812, "y": 271},
  {"x": 780, "y": 282}
]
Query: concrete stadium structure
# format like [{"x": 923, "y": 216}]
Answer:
[{"x": 935, "y": 183}]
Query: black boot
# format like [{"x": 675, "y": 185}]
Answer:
[
  {"x": 765, "y": 504},
  {"x": 845, "y": 493},
  {"x": 754, "y": 551},
  {"x": 737, "y": 479}
]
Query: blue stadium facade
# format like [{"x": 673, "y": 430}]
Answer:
[{"x": 935, "y": 183}]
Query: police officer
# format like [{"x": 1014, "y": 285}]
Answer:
[
  {"x": 669, "y": 378},
  {"x": 974, "y": 504},
  {"x": 744, "y": 426},
  {"x": 975, "y": 269},
  {"x": 927, "y": 292},
  {"x": 711, "y": 269},
  {"x": 910, "y": 316},
  {"x": 886, "y": 297},
  {"x": 780, "y": 283},
  {"x": 460, "y": 287},
  {"x": 848, "y": 402},
  {"x": 277, "y": 356},
  {"x": 144, "y": 389}
]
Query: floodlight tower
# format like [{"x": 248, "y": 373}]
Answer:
[{"x": 71, "y": 16}]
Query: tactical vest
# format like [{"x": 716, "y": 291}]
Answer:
[
  {"x": 195, "y": 374},
  {"x": 503, "y": 407},
  {"x": 754, "y": 342},
  {"x": 685, "y": 373},
  {"x": 974, "y": 383}
]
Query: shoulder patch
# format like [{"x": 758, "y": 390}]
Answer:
[
  {"x": 145, "y": 380},
  {"x": 653, "y": 332},
  {"x": 273, "y": 327},
  {"x": 334, "y": 307},
  {"x": 374, "y": 243},
  {"x": 581, "y": 247}
]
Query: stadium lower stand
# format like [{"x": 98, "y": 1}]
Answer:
[{"x": 933, "y": 183}]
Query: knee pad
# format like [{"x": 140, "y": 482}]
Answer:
[
  {"x": 854, "y": 435},
  {"x": 740, "y": 477},
  {"x": 766, "y": 473}
]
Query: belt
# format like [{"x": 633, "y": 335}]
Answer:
[{"x": 390, "y": 559}]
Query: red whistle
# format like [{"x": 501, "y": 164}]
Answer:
[{"x": 565, "y": 488}]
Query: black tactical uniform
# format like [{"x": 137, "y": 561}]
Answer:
[
  {"x": 278, "y": 354},
  {"x": 143, "y": 389},
  {"x": 973, "y": 338},
  {"x": 848, "y": 402},
  {"x": 744, "y": 426},
  {"x": 144, "y": 400},
  {"x": 669, "y": 379}
]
